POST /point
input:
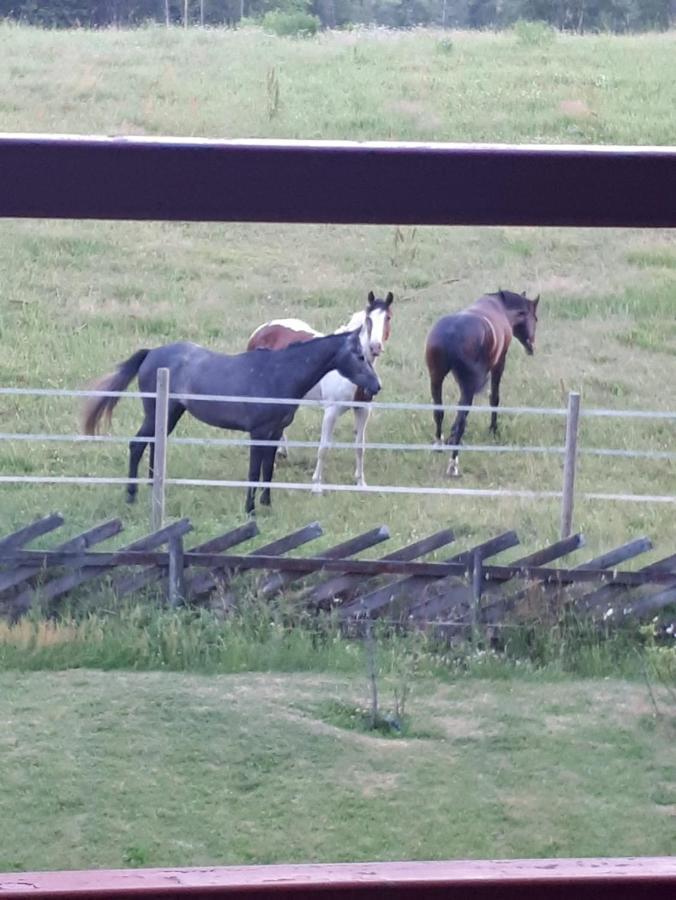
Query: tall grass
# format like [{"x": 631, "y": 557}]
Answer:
[{"x": 261, "y": 638}]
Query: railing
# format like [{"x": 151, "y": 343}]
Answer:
[{"x": 369, "y": 183}]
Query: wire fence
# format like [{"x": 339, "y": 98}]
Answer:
[{"x": 568, "y": 451}]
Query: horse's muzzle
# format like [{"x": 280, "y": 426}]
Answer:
[
  {"x": 372, "y": 385},
  {"x": 530, "y": 348}
]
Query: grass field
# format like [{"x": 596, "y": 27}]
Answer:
[
  {"x": 79, "y": 297},
  {"x": 177, "y": 768},
  {"x": 161, "y": 769}
]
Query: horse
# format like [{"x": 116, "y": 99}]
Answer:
[
  {"x": 288, "y": 374},
  {"x": 376, "y": 321},
  {"x": 473, "y": 344}
]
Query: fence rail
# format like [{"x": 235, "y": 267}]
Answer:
[{"x": 570, "y": 450}]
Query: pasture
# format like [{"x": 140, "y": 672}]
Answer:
[{"x": 80, "y": 297}]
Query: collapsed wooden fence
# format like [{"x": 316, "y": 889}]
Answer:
[{"x": 456, "y": 594}]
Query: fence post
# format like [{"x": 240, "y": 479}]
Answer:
[
  {"x": 176, "y": 580},
  {"x": 160, "y": 449},
  {"x": 477, "y": 585},
  {"x": 570, "y": 464}
]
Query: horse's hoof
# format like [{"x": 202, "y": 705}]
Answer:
[
  {"x": 437, "y": 446},
  {"x": 131, "y": 498},
  {"x": 361, "y": 483},
  {"x": 453, "y": 470},
  {"x": 317, "y": 489}
]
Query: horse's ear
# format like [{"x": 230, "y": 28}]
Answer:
[
  {"x": 523, "y": 293},
  {"x": 536, "y": 301},
  {"x": 389, "y": 298},
  {"x": 371, "y": 298}
]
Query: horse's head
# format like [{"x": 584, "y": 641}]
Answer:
[
  {"x": 379, "y": 315},
  {"x": 523, "y": 316},
  {"x": 353, "y": 364}
]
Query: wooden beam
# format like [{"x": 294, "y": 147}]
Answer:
[
  {"x": 61, "y": 176},
  {"x": 647, "y": 878}
]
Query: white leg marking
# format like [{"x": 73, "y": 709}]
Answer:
[
  {"x": 453, "y": 470},
  {"x": 361, "y": 417},
  {"x": 328, "y": 424}
]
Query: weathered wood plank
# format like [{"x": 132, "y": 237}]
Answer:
[
  {"x": 29, "y": 532},
  {"x": 58, "y": 587},
  {"x": 411, "y": 587},
  {"x": 280, "y": 580},
  {"x": 357, "y": 567},
  {"x": 135, "y": 581},
  {"x": 634, "y": 878},
  {"x": 80, "y": 542},
  {"x": 647, "y": 605},
  {"x": 445, "y": 595},
  {"x": 596, "y": 602},
  {"x": 345, "y": 585},
  {"x": 207, "y": 581}
]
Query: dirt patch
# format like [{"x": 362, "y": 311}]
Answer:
[
  {"x": 575, "y": 109},
  {"x": 372, "y": 784},
  {"x": 416, "y": 112}
]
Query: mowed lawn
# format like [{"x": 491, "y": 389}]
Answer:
[{"x": 156, "y": 769}]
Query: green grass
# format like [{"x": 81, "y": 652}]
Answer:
[
  {"x": 160, "y": 769},
  {"x": 79, "y": 297}
]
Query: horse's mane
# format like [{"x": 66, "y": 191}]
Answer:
[{"x": 357, "y": 320}]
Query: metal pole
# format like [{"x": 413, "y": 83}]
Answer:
[
  {"x": 160, "y": 452},
  {"x": 570, "y": 464}
]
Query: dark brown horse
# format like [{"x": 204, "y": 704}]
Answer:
[{"x": 473, "y": 344}]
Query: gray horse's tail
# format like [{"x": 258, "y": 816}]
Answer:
[{"x": 96, "y": 408}]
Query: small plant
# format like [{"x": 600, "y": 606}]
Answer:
[
  {"x": 534, "y": 34},
  {"x": 272, "y": 93},
  {"x": 405, "y": 246},
  {"x": 291, "y": 24},
  {"x": 135, "y": 856}
]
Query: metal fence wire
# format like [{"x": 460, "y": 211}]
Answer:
[{"x": 569, "y": 451}]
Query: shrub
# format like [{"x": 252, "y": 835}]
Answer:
[
  {"x": 534, "y": 34},
  {"x": 290, "y": 24}
]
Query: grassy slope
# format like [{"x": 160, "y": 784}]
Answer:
[
  {"x": 77, "y": 297},
  {"x": 165, "y": 769}
]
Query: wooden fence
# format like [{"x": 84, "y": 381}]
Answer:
[{"x": 455, "y": 595}]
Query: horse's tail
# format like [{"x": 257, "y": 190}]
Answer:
[{"x": 95, "y": 408}]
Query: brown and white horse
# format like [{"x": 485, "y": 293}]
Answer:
[
  {"x": 473, "y": 344},
  {"x": 375, "y": 321}
]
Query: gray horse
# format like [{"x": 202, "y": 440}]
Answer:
[{"x": 282, "y": 374}]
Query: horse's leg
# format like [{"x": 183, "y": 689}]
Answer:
[
  {"x": 255, "y": 462},
  {"x": 328, "y": 424},
  {"x": 136, "y": 448},
  {"x": 458, "y": 429},
  {"x": 496, "y": 376},
  {"x": 436, "y": 385},
  {"x": 269, "y": 454},
  {"x": 174, "y": 414},
  {"x": 361, "y": 417}
]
